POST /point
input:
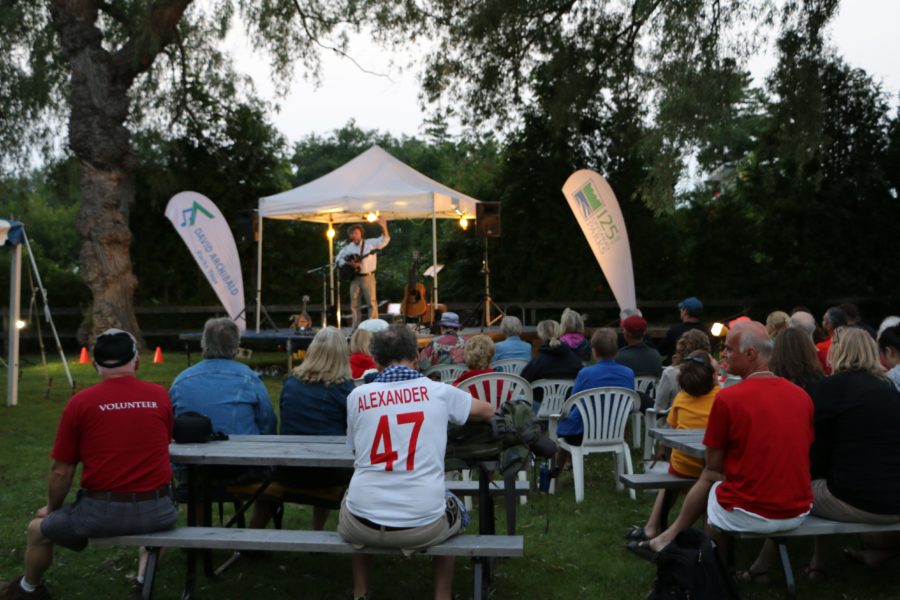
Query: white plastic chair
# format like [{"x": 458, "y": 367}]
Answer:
[
  {"x": 604, "y": 413},
  {"x": 646, "y": 384},
  {"x": 509, "y": 365},
  {"x": 653, "y": 418},
  {"x": 498, "y": 388},
  {"x": 446, "y": 373},
  {"x": 555, "y": 392}
]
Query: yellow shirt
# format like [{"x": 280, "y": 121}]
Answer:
[{"x": 689, "y": 412}]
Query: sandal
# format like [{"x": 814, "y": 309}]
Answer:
[
  {"x": 642, "y": 550},
  {"x": 760, "y": 577},
  {"x": 814, "y": 574},
  {"x": 637, "y": 534}
]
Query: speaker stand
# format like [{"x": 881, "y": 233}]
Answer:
[{"x": 490, "y": 312}]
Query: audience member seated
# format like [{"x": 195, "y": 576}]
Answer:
[
  {"x": 758, "y": 436},
  {"x": 637, "y": 355},
  {"x": 360, "y": 358},
  {"x": 854, "y": 319},
  {"x": 235, "y": 399},
  {"x": 776, "y": 322},
  {"x": 803, "y": 321},
  {"x": 833, "y": 318},
  {"x": 479, "y": 354},
  {"x": 605, "y": 373},
  {"x": 887, "y": 322},
  {"x": 448, "y": 348},
  {"x": 229, "y": 392},
  {"x": 398, "y": 499},
  {"x": 889, "y": 347},
  {"x": 697, "y": 379},
  {"x": 690, "y": 341},
  {"x": 314, "y": 402},
  {"x": 689, "y": 311},
  {"x": 571, "y": 327},
  {"x": 855, "y": 459},
  {"x": 794, "y": 358},
  {"x": 554, "y": 360},
  {"x": 512, "y": 346}
]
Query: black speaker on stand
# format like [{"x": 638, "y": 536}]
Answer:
[{"x": 487, "y": 225}]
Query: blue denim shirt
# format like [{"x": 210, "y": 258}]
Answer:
[
  {"x": 314, "y": 408},
  {"x": 512, "y": 347},
  {"x": 230, "y": 393},
  {"x": 606, "y": 373}
]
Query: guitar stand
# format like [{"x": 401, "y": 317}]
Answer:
[{"x": 488, "y": 309}]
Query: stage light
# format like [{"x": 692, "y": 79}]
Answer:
[
  {"x": 20, "y": 324},
  {"x": 463, "y": 223},
  {"x": 330, "y": 233},
  {"x": 371, "y": 217},
  {"x": 718, "y": 330}
]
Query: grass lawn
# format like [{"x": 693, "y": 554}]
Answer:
[{"x": 581, "y": 556}]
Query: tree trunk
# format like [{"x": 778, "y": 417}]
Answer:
[{"x": 100, "y": 81}]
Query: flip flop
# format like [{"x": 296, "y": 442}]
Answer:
[
  {"x": 642, "y": 550},
  {"x": 814, "y": 574},
  {"x": 636, "y": 534},
  {"x": 761, "y": 577}
]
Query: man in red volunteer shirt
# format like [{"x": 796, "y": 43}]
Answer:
[
  {"x": 757, "y": 450},
  {"x": 119, "y": 430}
]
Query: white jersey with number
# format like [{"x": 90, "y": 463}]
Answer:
[{"x": 399, "y": 434}]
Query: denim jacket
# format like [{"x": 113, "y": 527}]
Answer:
[{"x": 229, "y": 393}]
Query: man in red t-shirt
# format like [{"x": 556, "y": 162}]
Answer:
[
  {"x": 757, "y": 449},
  {"x": 119, "y": 430}
]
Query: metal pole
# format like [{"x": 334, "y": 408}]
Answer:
[
  {"x": 15, "y": 302},
  {"x": 434, "y": 268},
  {"x": 47, "y": 315},
  {"x": 331, "y": 261},
  {"x": 259, "y": 271}
]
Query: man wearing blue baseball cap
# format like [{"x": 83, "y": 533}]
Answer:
[{"x": 690, "y": 310}]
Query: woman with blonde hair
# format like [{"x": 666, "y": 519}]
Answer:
[
  {"x": 554, "y": 360},
  {"x": 479, "y": 353},
  {"x": 571, "y": 327},
  {"x": 692, "y": 340},
  {"x": 314, "y": 402},
  {"x": 776, "y": 322}
]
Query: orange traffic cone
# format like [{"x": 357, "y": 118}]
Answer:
[
  {"x": 85, "y": 359},
  {"x": 157, "y": 356}
]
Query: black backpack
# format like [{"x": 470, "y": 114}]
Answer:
[{"x": 689, "y": 569}]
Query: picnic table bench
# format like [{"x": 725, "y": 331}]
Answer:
[
  {"x": 481, "y": 548},
  {"x": 812, "y": 526}
]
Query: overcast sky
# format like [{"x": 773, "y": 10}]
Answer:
[{"x": 864, "y": 32}]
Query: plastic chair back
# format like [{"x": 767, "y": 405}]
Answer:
[
  {"x": 445, "y": 373},
  {"x": 646, "y": 384},
  {"x": 604, "y": 413},
  {"x": 555, "y": 392},
  {"x": 497, "y": 388},
  {"x": 509, "y": 365}
]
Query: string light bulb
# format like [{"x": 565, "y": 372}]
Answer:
[
  {"x": 20, "y": 324},
  {"x": 718, "y": 330},
  {"x": 371, "y": 217},
  {"x": 330, "y": 232},
  {"x": 463, "y": 223}
]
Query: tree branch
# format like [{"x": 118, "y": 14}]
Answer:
[{"x": 161, "y": 26}]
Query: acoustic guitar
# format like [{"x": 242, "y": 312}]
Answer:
[
  {"x": 414, "y": 303},
  {"x": 302, "y": 320},
  {"x": 352, "y": 263}
]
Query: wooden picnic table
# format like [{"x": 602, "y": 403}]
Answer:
[
  {"x": 283, "y": 451},
  {"x": 689, "y": 441}
]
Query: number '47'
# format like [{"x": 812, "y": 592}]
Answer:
[{"x": 383, "y": 440}]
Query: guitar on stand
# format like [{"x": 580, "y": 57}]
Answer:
[
  {"x": 414, "y": 302},
  {"x": 302, "y": 321}
]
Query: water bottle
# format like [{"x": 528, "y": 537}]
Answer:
[{"x": 544, "y": 484}]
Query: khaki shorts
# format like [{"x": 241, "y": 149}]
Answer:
[
  {"x": 825, "y": 505},
  {"x": 361, "y": 534}
]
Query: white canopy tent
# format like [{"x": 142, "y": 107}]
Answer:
[{"x": 373, "y": 182}]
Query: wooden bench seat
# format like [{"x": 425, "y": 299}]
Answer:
[
  {"x": 655, "y": 481},
  {"x": 477, "y": 547},
  {"x": 812, "y": 526}
]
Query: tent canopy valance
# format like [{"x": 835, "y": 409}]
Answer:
[{"x": 374, "y": 181}]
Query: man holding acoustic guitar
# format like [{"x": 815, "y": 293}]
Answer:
[{"x": 357, "y": 262}]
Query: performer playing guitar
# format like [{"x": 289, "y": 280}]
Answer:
[{"x": 364, "y": 281}]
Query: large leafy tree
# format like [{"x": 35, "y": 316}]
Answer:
[{"x": 108, "y": 69}]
